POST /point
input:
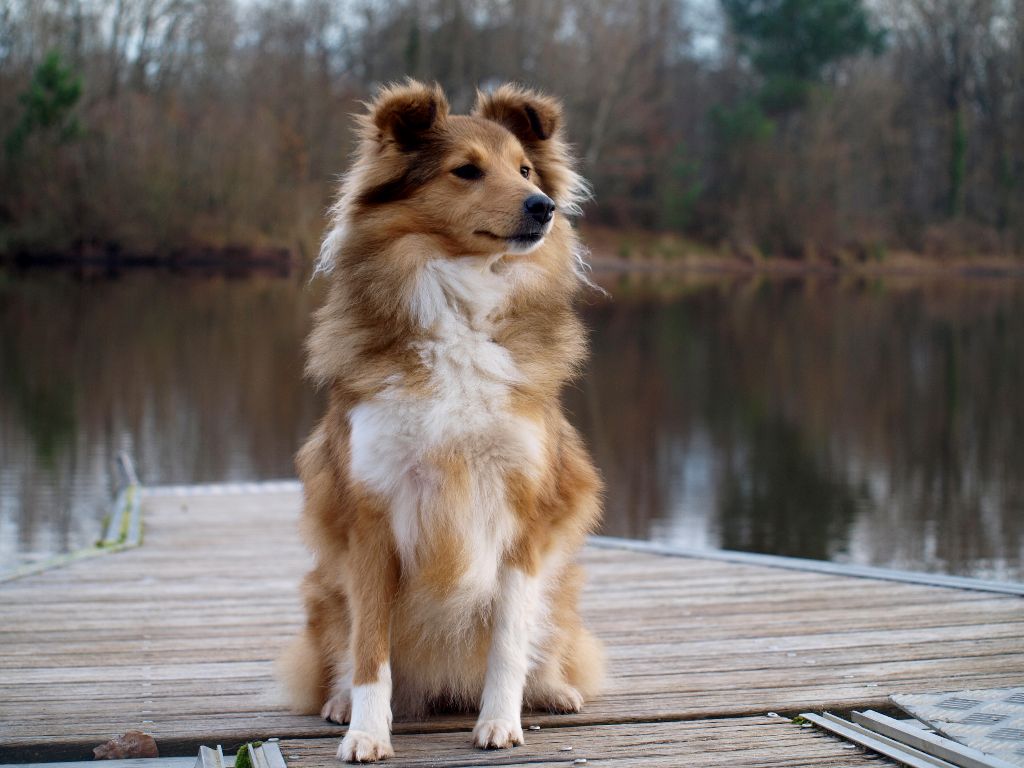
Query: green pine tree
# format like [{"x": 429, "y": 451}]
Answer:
[
  {"x": 792, "y": 43},
  {"x": 48, "y": 105}
]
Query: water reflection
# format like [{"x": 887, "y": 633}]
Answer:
[
  {"x": 199, "y": 380},
  {"x": 875, "y": 422}
]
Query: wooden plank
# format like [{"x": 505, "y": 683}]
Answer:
[{"x": 739, "y": 742}]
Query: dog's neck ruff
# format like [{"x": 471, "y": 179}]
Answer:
[{"x": 468, "y": 289}]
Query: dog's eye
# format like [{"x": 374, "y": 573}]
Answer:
[
  {"x": 468, "y": 171},
  {"x": 525, "y": 171}
]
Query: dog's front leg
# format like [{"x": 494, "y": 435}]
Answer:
[
  {"x": 508, "y": 661},
  {"x": 373, "y": 582}
]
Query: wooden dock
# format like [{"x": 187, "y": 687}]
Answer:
[{"x": 176, "y": 638}]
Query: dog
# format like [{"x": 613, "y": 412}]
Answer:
[{"x": 445, "y": 493}]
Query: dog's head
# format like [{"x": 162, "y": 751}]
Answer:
[{"x": 492, "y": 182}]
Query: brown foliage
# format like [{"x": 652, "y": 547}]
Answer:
[{"x": 218, "y": 122}]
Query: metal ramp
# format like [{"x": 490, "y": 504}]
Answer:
[{"x": 990, "y": 720}]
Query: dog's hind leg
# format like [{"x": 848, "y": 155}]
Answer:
[
  {"x": 572, "y": 666},
  {"x": 338, "y": 707},
  {"x": 332, "y": 623},
  {"x": 547, "y": 690},
  {"x": 308, "y": 669}
]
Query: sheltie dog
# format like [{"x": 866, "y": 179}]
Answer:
[{"x": 445, "y": 494}]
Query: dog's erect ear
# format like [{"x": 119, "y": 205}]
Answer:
[
  {"x": 531, "y": 116},
  {"x": 407, "y": 113}
]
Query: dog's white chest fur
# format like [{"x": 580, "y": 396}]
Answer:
[{"x": 404, "y": 442}]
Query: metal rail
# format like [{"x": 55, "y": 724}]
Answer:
[{"x": 815, "y": 566}]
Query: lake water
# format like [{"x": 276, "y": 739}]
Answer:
[{"x": 869, "y": 421}]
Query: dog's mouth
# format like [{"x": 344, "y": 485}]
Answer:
[{"x": 519, "y": 241}]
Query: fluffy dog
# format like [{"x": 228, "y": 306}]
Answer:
[{"x": 445, "y": 492}]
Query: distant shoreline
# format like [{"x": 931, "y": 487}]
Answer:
[
  {"x": 662, "y": 252},
  {"x": 284, "y": 262},
  {"x": 781, "y": 267},
  {"x": 230, "y": 259}
]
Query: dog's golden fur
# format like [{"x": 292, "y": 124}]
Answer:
[{"x": 444, "y": 343}]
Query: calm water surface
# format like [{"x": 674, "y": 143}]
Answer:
[{"x": 877, "y": 422}]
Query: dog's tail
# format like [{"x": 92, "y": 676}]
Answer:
[{"x": 302, "y": 676}]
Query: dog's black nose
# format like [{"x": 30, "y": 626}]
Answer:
[{"x": 540, "y": 208}]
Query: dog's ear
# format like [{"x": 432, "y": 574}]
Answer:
[
  {"x": 407, "y": 113},
  {"x": 531, "y": 116}
]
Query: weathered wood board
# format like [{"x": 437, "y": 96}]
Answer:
[{"x": 746, "y": 741}]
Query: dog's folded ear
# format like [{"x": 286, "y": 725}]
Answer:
[
  {"x": 531, "y": 116},
  {"x": 406, "y": 113}
]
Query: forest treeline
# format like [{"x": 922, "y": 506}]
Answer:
[{"x": 800, "y": 128}]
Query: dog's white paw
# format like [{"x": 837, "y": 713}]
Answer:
[
  {"x": 338, "y": 708},
  {"x": 497, "y": 734},
  {"x": 363, "y": 747}
]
